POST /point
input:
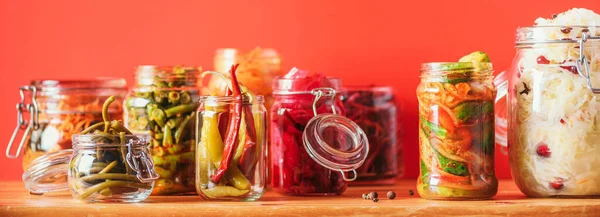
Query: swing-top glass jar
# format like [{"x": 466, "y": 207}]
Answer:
[
  {"x": 99, "y": 168},
  {"x": 554, "y": 107},
  {"x": 51, "y": 111},
  {"x": 313, "y": 145}
]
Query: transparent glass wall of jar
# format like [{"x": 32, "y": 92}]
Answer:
[
  {"x": 554, "y": 111},
  {"x": 163, "y": 104},
  {"x": 51, "y": 111},
  {"x": 456, "y": 131},
  {"x": 108, "y": 168},
  {"x": 246, "y": 176},
  {"x": 374, "y": 110}
]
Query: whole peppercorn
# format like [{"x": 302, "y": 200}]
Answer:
[
  {"x": 373, "y": 195},
  {"x": 375, "y": 200},
  {"x": 391, "y": 195},
  {"x": 411, "y": 192}
]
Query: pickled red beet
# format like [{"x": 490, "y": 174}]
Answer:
[
  {"x": 557, "y": 184},
  {"x": 542, "y": 60},
  {"x": 543, "y": 150}
]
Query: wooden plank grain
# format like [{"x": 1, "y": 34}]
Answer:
[{"x": 16, "y": 201}]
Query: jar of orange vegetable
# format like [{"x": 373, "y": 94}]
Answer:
[
  {"x": 51, "y": 111},
  {"x": 456, "y": 129},
  {"x": 256, "y": 71}
]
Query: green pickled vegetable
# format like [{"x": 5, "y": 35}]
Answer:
[
  {"x": 169, "y": 112},
  {"x": 434, "y": 128},
  {"x": 109, "y": 175}
]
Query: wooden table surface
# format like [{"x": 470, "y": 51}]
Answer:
[{"x": 16, "y": 201}]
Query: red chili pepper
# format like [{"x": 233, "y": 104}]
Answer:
[{"x": 233, "y": 130}]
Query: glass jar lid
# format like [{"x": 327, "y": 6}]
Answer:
[
  {"x": 48, "y": 172},
  {"x": 334, "y": 141}
]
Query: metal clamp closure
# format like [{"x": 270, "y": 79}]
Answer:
[
  {"x": 583, "y": 65},
  {"x": 23, "y": 124},
  {"x": 134, "y": 158},
  {"x": 321, "y": 92}
]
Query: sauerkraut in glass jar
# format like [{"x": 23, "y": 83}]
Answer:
[{"x": 554, "y": 106}]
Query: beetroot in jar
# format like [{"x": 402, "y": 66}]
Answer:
[{"x": 313, "y": 145}]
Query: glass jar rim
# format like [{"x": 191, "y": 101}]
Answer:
[
  {"x": 146, "y": 74},
  {"x": 230, "y": 99},
  {"x": 86, "y": 141},
  {"x": 330, "y": 157},
  {"x": 55, "y": 85},
  {"x": 372, "y": 88},
  {"x": 538, "y": 34},
  {"x": 285, "y": 86},
  {"x": 456, "y": 68}
]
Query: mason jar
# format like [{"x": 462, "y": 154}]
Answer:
[
  {"x": 99, "y": 168},
  {"x": 374, "y": 109},
  {"x": 456, "y": 131},
  {"x": 553, "y": 113},
  {"x": 314, "y": 150},
  {"x": 245, "y": 176},
  {"x": 51, "y": 111},
  {"x": 163, "y": 104}
]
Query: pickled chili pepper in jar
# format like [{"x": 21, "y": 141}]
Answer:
[
  {"x": 313, "y": 146},
  {"x": 163, "y": 104},
  {"x": 373, "y": 108},
  {"x": 231, "y": 151},
  {"x": 456, "y": 130},
  {"x": 51, "y": 111}
]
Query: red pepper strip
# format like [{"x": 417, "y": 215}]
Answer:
[
  {"x": 233, "y": 130},
  {"x": 248, "y": 158},
  {"x": 248, "y": 154}
]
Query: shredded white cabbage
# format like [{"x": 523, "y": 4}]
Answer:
[{"x": 560, "y": 111}]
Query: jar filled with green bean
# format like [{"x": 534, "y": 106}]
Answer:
[
  {"x": 107, "y": 164},
  {"x": 163, "y": 104},
  {"x": 231, "y": 152}
]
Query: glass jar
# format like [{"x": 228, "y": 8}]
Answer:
[
  {"x": 374, "y": 110},
  {"x": 553, "y": 118},
  {"x": 256, "y": 71},
  {"x": 246, "y": 176},
  {"x": 163, "y": 104},
  {"x": 51, "y": 111},
  {"x": 456, "y": 131},
  {"x": 312, "y": 144},
  {"x": 99, "y": 169}
]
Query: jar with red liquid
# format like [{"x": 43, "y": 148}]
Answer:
[{"x": 313, "y": 146}]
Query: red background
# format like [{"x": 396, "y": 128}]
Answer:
[{"x": 363, "y": 42}]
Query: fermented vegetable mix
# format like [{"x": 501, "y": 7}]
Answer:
[
  {"x": 456, "y": 129},
  {"x": 374, "y": 110},
  {"x": 164, "y": 104},
  {"x": 231, "y": 150},
  {"x": 553, "y": 114},
  {"x": 100, "y": 169}
]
